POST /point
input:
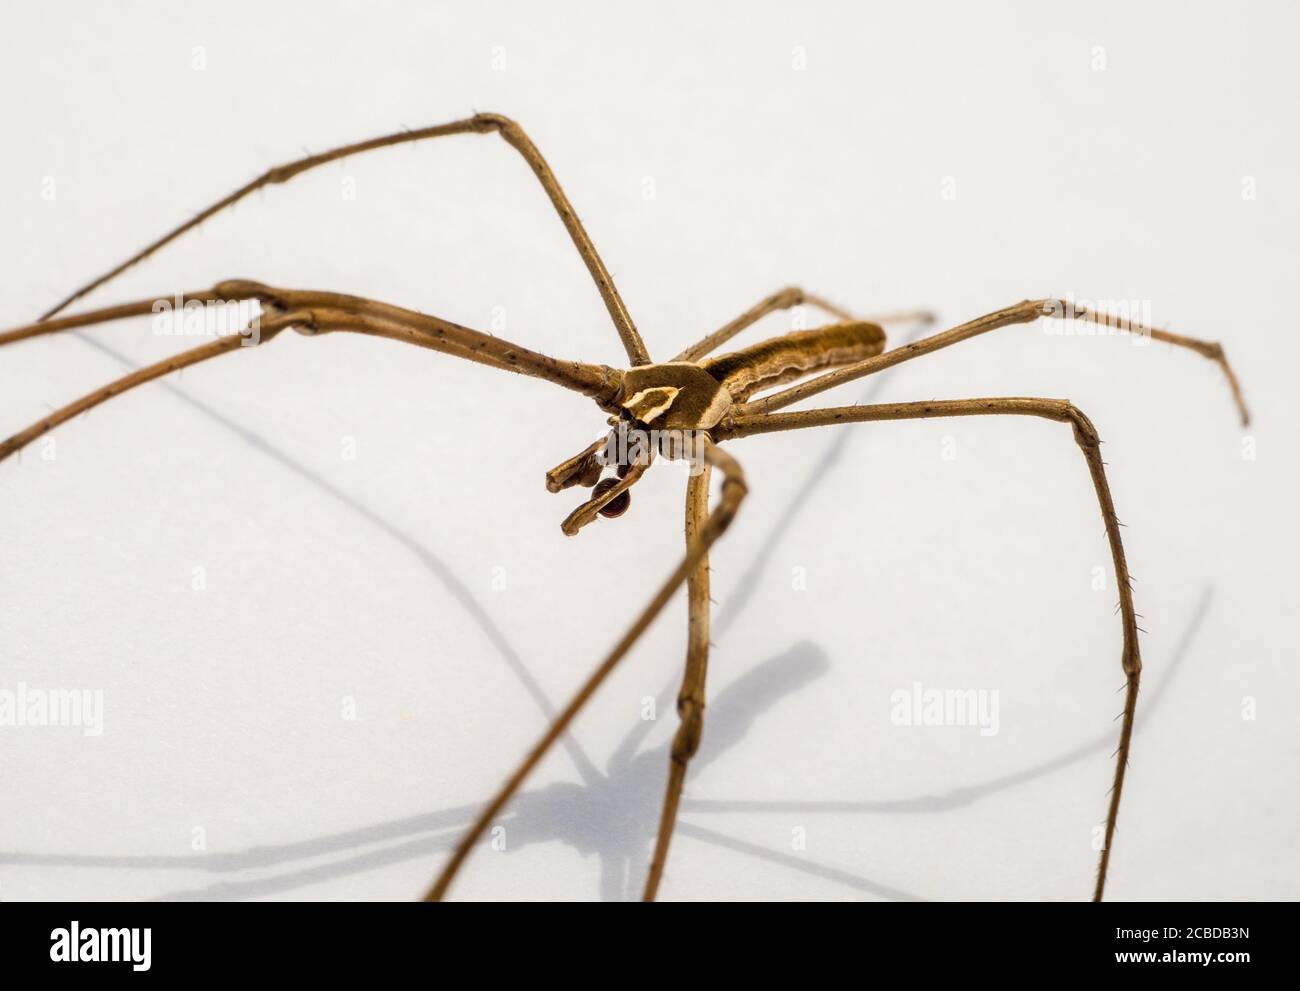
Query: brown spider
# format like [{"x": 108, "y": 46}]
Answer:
[{"x": 682, "y": 408}]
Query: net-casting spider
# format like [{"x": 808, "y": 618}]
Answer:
[{"x": 682, "y": 408}]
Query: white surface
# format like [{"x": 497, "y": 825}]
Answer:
[{"x": 374, "y": 578}]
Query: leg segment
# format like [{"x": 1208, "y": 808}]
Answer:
[
  {"x": 1025, "y": 312},
  {"x": 690, "y": 700},
  {"x": 342, "y": 312},
  {"x": 598, "y": 381},
  {"x": 784, "y": 299},
  {"x": 712, "y": 527},
  {"x": 513, "y": 135},
  {"x": 222, "y": 345},
  {"x": 120, "y": 312},
  {"x": 319, "y": 312},
  {"x": 1085, "y": 435}
]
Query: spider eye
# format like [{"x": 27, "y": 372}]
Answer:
[{"x": 615, "y": 507}]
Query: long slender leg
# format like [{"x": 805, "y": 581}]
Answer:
[
  {"x": 138, "y": 308},
  {"x": 239, "y": 291},
  {"x": 360, "y": 316},
  {"x": 213, "y": 349},
  {"x": 784, "y": 299},
  {"x": 598, "y": 381},
  {"x": 690, "y": 700},
  {"x": 1024, "y": 312},
  {"x": 513, "y": 135},
  {"x": 733, "y": 492},
  {"x": 1085, "y": 435}
]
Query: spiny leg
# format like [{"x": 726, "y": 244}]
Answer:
[
  {"x": 451, "y": 338},
  {"x": 147, "y": 374},
  {"x": 1085, "y": 435},
  {"x": 314, "y": 313},
  {"x": 594, "y": 380},
  {"x": 213, "y": 349},
  {"x": 122, "y": 311},
  {"x": 784, "y": 299},
  {"x": 597, "y": 381},
  {"x": 461, "y": 341},
  {"x": 713, "y": 526},
  {"x": 1024, "y": 312},
  {"x": 690, "y": 699},
  {"x": 513, "y": 135}
]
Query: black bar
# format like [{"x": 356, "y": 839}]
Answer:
[{"x": 983, "y": 943}]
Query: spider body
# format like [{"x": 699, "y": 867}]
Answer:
[
  {"x": 665, "y": 409},
  {"x": 696, "y": 403}
]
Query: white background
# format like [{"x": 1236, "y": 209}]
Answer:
[{"x": 1098, "y": 149}]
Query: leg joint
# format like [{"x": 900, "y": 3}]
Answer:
[
  {"x": 791, "y": 296},
  {"x": 248, "y": 289},
  {"x": 1085, "y": 434},
  {"x": 494, "y": 122},
  {"x": 1132, "y": 663},
  {"x": 687, "y": 739}
]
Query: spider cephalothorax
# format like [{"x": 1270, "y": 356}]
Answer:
[{"x": 661, "y": 410}]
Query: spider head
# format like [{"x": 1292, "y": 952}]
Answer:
[
  {"x": 662, "y": 410},
  {"x": 609, "y": 495}
]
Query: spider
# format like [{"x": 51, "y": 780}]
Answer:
[{"x": 683, "y": 408}]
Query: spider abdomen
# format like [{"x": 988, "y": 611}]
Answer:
[{"x": 784, "y": 359}]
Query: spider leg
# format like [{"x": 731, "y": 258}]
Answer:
[
  {"x": 510, "y": 132},
  {"x": 1085, "y": 435},
  {"x": 369, "y": 316},
  {"x": 220, "y": 346},
  {"x": 711, "y": 528},
  {"x": 1024, "y": 312},
  {"x": 594, "y": 380},
  {"x": 690, "y": 699},
  {"x": 784, "y": 299},
  {"x": 107, "y": 314},
  {"x": 320, "y": 312}
]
